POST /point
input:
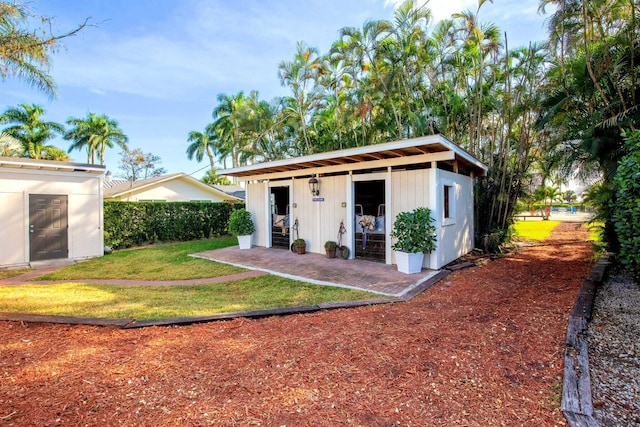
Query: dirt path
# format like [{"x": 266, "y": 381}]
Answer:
[{"x": 483, "y": 347}]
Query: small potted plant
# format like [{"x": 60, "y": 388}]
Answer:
[
  {"x": 330, "y": 248},
  {"x": 242, "y": 226},
  {"x": 300, "y": 245},
  {"x": 416, "y": 236}
]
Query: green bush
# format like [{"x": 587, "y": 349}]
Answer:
[
  {"x": 240, "y": 223},
  {"x": 626, "y": 209},
  {"x": 134, "y": 223},
  {"x": 414, "y": 232}
]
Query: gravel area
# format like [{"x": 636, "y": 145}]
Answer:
[{"x": 614, "y": 352}]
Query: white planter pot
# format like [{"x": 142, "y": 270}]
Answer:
[
  {"x": 245, "y": 241},
  {"x": 409, "y": 263}
]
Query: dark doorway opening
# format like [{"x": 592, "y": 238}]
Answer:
[
  {"x": 280, "y": 223},
  {"x": 48, "y": 237},
  {"x": 369, "y": 226}
]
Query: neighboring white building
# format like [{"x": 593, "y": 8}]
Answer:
[
  {"x": 177, "y": 187},
  {"x": 49, "y": 210},
  {"x": 377, "y": 181}
]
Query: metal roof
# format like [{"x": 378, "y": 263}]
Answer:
[
  {"x": 49, "y": 165},
  {"x": 407, "y": 151}
]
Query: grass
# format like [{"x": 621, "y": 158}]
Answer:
[
  {"x": 7, "y": 274},
  {"x": 595, "y": 229},
  {"x": 534, "y": 230},
  {"x": 159, "y": 302},
  {"x": 162, "y": 262}
]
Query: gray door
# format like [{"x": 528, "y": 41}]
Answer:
[{"x": 47, "y": 227}]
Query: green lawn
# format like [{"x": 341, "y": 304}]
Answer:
[
  {"x": 158, "y": 302},
  {"x": 534, "y": 230},
  {"x": 164, "y": 262}
]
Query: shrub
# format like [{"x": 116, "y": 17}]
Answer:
[
  {"x": 240, "y": 223},
  {"x": 134, "y": 223},
  {"x": 626, "y": 211},
  {"x": 415, "y": 231}
]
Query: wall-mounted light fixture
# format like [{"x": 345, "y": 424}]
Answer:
[{"x": 314, "y": 186}]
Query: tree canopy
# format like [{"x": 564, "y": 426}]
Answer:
[{"x": 25, "y": 49}]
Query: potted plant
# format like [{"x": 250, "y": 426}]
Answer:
[
  {"x": 241, "y": 225},
  {"x": 300, "y": 245},
  {"x": 330, "y": 248},
  {"x": 416, "y": 235}
]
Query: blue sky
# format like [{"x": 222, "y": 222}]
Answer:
[{"x": 157, "y": 66}]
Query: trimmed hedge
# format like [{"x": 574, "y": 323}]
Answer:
[
  {"x": 134, "y": 223},
  {"x": 626, "y": 204}
]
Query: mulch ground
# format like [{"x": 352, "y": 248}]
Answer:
[{"x": 483, "y": 347}]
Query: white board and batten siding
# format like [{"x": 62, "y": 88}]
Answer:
[
  {"x": 411, "y": 190},
  {"x": 416, "y": 174},
  {"x": 456, "y": 234},
  {"x": 257, "y": 203}
]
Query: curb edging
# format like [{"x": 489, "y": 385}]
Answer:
[{"x": 576, "y": 384}]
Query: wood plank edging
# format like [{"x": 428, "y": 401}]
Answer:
[{"x": 576, "y": 402}]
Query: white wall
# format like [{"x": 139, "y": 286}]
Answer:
[
  {"x": 319, "y": 220},
  {"x": 85, "y": 220},
  {"x": 175, "y": 190},
  {"x": 455, "y": 236},
  {"x": 257, "y": 203},
  {"x": 411, "y": 190}
]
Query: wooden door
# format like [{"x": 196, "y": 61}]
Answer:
[{"x": 48, "y": 237}]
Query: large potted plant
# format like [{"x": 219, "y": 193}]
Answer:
[
  {"x": 241, "y": 225},
  {"x": 416, "y": 236}
]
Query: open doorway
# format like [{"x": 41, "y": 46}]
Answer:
[
  {"x": 369, "y": 226},
  {"x": 280, "y": 217}
]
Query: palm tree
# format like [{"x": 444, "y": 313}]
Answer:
[
  {"x": 229, "y": 118},
  {"x": 33, "y": 133},
  {"x": 25, "y": 52},
  {"x": 300, "y": 75},
  {"x": 95, "y": 133},
  {"x": 203, "y": 143},
  {"x": 9, "y": 146}
]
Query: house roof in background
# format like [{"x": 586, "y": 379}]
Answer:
[
  {"x": 234, "y": 190},
  {"x": 118, "y": 187}
]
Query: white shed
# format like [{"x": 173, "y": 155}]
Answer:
[
  {"x": 49, "y": 210},
  {"x": 378, "y": 181}
]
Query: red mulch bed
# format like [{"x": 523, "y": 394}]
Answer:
[{"x": 484, "y": 347}]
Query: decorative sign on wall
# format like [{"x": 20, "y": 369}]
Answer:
[{"x": 318, "y": 199}]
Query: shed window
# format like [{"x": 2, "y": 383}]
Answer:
[{"x": 447, "y": 201}]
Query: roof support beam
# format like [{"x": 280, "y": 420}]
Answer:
[{"x": 398, "y": 161}]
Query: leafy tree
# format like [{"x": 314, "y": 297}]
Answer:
[
  {"x": 203, "y": 143},
  {"x": 569, "y": 196},
  {"x": 592, "y": 93},
  {"x": 9, "y": 146},
  {"x": 25, "y": 52},
  {"x": 27, "y": 126},
  {"x": 212, "y": 178},
  {"x": 626, "y": 206},
  {"x": 95, "y": 133},
  {"x": 136, "y": 165}
]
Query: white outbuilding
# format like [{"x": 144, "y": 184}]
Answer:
[
  {"x": 49, "y": 210},
  {"x": 310, "y": 196}
]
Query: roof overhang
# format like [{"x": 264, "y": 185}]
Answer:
[
  {"x": 50, "y": 165},
  {"x": 433, "y": 148}
]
